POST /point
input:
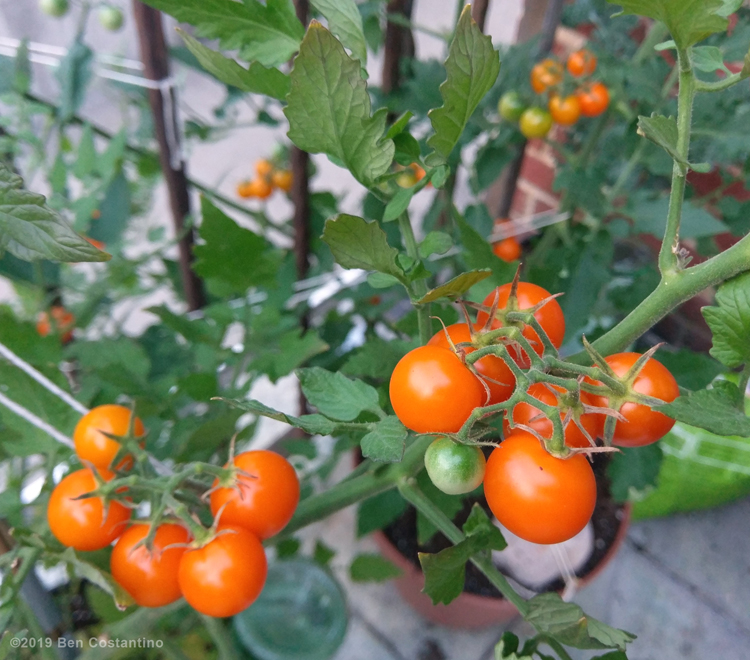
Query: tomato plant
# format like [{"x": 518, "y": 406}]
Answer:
[
  {"x": 454, "y": 468},
  {"x": 91, "y": 440}
]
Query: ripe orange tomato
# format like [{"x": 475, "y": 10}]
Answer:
[
  {"x": 550, "y": 316},
  {"x": 418, "y": 170},
  {"x": 581, "y": 63},
  {"x": 226, "y": 575},
  {"x": 64, "y": 322},
  {"x": 244, "y": 190},
  {"x": 644, "y": 426},
  {"x": 490, "y": 366},
  {"x": 259, "y": 188},
  {"x": 593, "y": 99},
  {"x": 81, "y": 524},
  {"x": 263, "y": 168},
  {"x": 564, "y": 111},
  {"x": 545, "y": 74},
  {"x": 262, "y": 503},
  {"x": 93, "y": 446},
  {"x": 282, "y": 179},
  {"x": 432, "y": 391},
  {"x": 541, "y": 498},
  {"x": 524, "y": 413},
  {"x": 149, "y": 576},
  {"x": 509, "y": 249}
]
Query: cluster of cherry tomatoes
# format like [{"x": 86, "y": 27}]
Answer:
[
  {"x": 538, "y": 496},
  {"x": 219, "y": 574},
  {"x": 268, "y": 178},
  {"x": 588, "y": 98},
  {"x": 58, "y": 321},
  {"x": 110, "y": 17}
]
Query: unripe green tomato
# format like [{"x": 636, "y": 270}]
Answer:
[
  {"x": 110, "y": 17},
  {"x": 535, "y": 123},
  {"x": 55, "y": 8},
  {"x": 511, "y": 106},
  {"x": 406, "y": 179},
  {"x": 454, "y": 468}
]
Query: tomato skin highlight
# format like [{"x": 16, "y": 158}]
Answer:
[
  {"x": 453, "y": 467},
  {"x": 565, "y": 110},
  {"x": 524, "y": 413},
  {"x": 593, "y": 99},
  {"x": 644, "y": 426},
  {"x": 550, "y": 316},
  {"x": 432, "y": 391},
  {"x": 226, "y": 575},
  {"x": 265, "y": 503},
  {"x": 581, "y": 63},
  {"x": 535, "y": 123},
  {"x": 491, "y": 366},
  {"x": 150, "y": 577},
  {"x": 93, "y": 446},
  {"x": 509, "y": 249},
  {"x": 81, "y": 524},
  {"x": 536, "y": 496}
]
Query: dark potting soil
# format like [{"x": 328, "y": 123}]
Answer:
[{"x": 606, "y": 521}]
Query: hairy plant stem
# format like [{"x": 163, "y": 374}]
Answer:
[
  {"x": 425, "y": 506},
  {"x": 419, "y": 287}
]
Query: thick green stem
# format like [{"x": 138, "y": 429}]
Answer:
[
  {"x": 719, "y": 85},
  {"x": 668, "y": 259},
  {"x": 221, "y": 638},
  {"x": 419, "y": 288},
  {"x": 416, "y": 498}
]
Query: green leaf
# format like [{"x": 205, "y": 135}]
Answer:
[
  {"x": 233, "y": 255},
  {"x": 22, "y": 68},
  {"x": 456, "y": 287},
  {"x": 337, "y": 396},
  {"x": 570, "y": 625},
  {"x": 372, "y": 568},
  {"x": 194, "y": 331},
  {"x": 381, "y": 280},
  {"x": 30, "y": 230},
  {"x": 256, "y": 79},
  {"x": 322, "y": 553},
  {"x": 612, "y": 655},
  {"x": 691, "y": 370},
  {"x": 379, "y": 511},
  {"x": 292, "y": 349},
  {"x": 407, "y": 148},
  {"x": 312, "y": 424},
  {"x": 472, "y": 67},
  {"x": 400, "y": 124},
  {"x": 688, "y": 21},
  {"x": 450, "y": 505},
  {"x": 85, "y": 154},
  {"x": 269, "y": 33},
  {"x": 650, "y": 216},
  {"x": 377, "y": 358},
  {"x": 716, "y": 410},
  {"x": 345, "y": 21},
  {"x": 730, "y": 322},
  {"x": 386, "y": 442},
  {"x": 400, "y": 202},
  {"x": 436, "y": 242},
  {"x": 662, "y": 131},
  {"x": 329, "y": 108},
  {"x": 708, "y": 59},
  {"x": 73, "y": 75},
  {"x": 100, "y": 578},
  {"x": 633, "y": 471},
  {"x": 356, "y": 243}
]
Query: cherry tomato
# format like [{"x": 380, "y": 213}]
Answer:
[
  {"x": 593, "y": 99},
  {"x": 110, "y": 17},
  {"x": 581, "y": 63},
  {"x": 644, "y": 426},
  {"x": 282, "y": 179},
  {"x": 418, "y": 170},
  {"x": 511, "y": 106},
  {"x": 524, "y": 413},
  {"x": 259, "y": 188},
  {"x": 54, "y": 8},
  {"x": 490, "y": 366},
  {"x": 535, "y": 123},
  {"x": 63, "y": 321},
  {"x": 432, "y": 391},
  {"x": 262, "y": 502},
  {"x": 81, "y": 524},
  {"x": 509, "y": 249},
  {"x": 226, "y": 575},
  {"x": 541, "y": 498},
  {"x": 406, "y": 179},
  {"x": 244, "y": 190},
  {"x": 263, "y": 168},
  {"x": 93, "y": 446},
  {"x": 564, "y": 111},
  {"x": 550, "y": 316},
  {"x": 453, "y": 467},
  {"x": 150, "y": 576},
  {"x": 545, "y": 74}
]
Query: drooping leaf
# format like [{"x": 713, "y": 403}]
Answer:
[
  {"x": 256, "y": 79},
  {"x": 329, "y": 108},
  {"x": 436, "y": 242},
  {"x": 708, "y": 59},
  {"x": 269, "y": 33},
  {"x": 662, "y": 131},
  {"x": 372, "y": 568},
  {"x": 356, "y": 243},
  {"x": 718, "y": 410},
  {"x": 386, "y": 441},
  {"x": 378, "y": 511},
  {"x": 313, "y": 424},
  {"x": 30, "y": 230},
  {"x": 569, "y": 624},
  {"x": 688, "y": 21},
  {"x": 456, "y": 287},
  {"x": 73, "y": 74},
  {"x": 337, "y": 396},
  {"x": 345, "y": 21},
  {"x": 472, "y": 67},
  {"x": 729, "y": 321}
]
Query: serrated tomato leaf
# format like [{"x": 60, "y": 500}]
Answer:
[
  {"x": 456, "y": 287},
  {"x": 718, "y": 410},
  {"x": 337, "y": 396},
  {"x": 386, "y": 441},
  {"x": 372, "y": 568},
  {"x": 313, "y": 424},
  {"x": 345, "y": 21},
  {"x": 729, "y": 321}
]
